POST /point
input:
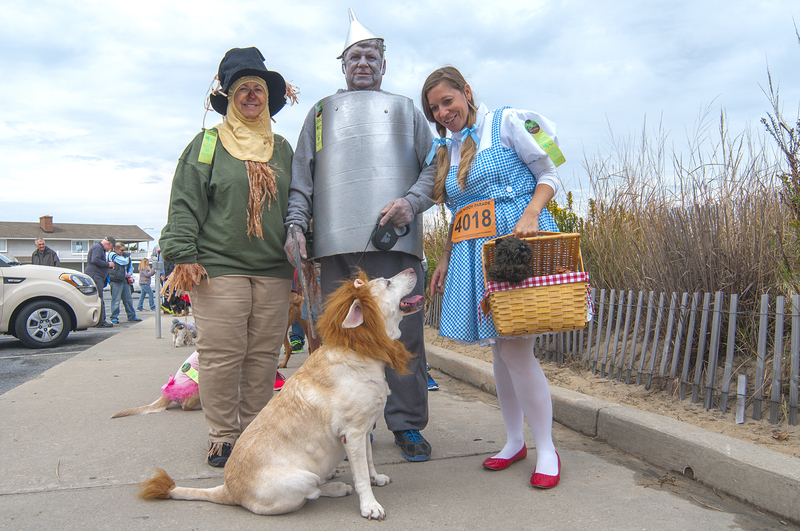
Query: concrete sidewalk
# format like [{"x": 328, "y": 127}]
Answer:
[
  {"x": 66, "y": 465},
  {"x": 767, "y": 479}
]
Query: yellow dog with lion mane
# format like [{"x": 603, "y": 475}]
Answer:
[{"x": 325, "y": 410}]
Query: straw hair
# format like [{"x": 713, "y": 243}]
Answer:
[
  {"x": 261, "y": 179},
  {"x": 452, "y": 77}
]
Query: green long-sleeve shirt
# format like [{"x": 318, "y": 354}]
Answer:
[{"x": 207, "y": 221}]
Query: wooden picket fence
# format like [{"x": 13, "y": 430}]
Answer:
[{"x": 689, "y": 349}]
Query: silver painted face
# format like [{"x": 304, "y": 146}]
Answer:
[{"x": 363, "y": 67}]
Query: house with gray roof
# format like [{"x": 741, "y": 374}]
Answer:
[{"x": 71, "y": 241}]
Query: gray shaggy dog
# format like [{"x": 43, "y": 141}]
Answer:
[
  {"x": 512, "y": 261},
  {"x": 183, "y": 333}
]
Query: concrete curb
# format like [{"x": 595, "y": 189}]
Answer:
[{"x": 767, "y": 479}]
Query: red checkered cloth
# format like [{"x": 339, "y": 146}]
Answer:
[{"x": 533, "y": 282}]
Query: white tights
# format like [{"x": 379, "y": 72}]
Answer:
[{"x": 523, "y": 392}]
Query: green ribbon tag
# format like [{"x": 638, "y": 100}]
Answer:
[
  {"x": 189, "y": 371},
  {"x": 318, "y": 125},
  {"x": 547, "y": 143},
  {"x": 207, "y": 149}
]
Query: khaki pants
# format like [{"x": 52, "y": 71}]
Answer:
[{"x": 241, "y": 321}]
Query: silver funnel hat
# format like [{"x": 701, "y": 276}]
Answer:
[{"x": 357, "y": 33}]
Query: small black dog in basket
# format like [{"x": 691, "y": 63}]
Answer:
[{"x": 512, "y": 261}]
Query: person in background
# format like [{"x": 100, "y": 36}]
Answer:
[
  {"x": 166, "y": 268},
  {"x": 432, "y": 385},
  {"x": 491, "y": 162},
  {"x": 166, "y": 271},
  {"x": 44, "y": 255},
  {"x": 297, "y": 338},
  {"x": 225, "y": 234},
  {"x": 97, "y": 267},
  {"x": 145, "y": 278},
  {"x": 121, "y": 278}
]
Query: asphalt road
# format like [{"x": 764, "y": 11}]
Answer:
[{"x": 18, "y": 364}]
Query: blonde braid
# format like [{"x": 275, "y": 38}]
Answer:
[
  {"x": 442, "y": 169},
  {"x": 468, "y": 151}
]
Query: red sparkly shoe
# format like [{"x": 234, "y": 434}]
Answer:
[
  {"x": 279, "y": 381},
  {"x": 542, "y": 481},
  {"x": 494, "y": 463}
]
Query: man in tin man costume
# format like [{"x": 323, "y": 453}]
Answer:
[{"x": 360, "y": 158}]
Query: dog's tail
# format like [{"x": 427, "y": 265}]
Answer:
[
  {"x": 156, "y": 407},
  {"x": 161, "y": 486}
]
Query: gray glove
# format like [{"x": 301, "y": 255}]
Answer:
[
  {"x": 289, "y": 247},
  {"x": 398, "y": 212}
]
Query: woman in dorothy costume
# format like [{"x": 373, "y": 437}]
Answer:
[{"x": 493, "y": 163}]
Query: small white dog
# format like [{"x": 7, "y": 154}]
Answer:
[
  {"x": 183, "y": 333},
  {"x": 325, "y": 411}
]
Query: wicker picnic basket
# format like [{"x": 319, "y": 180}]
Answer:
[{"x": 542, "y": 309}]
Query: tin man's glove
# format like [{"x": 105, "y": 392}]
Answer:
[
  {"x": 398, "y": 212},
  {"x": 289, "y": 247}
]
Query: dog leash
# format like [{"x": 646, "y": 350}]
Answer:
[
  {"x": 382, "y": 238},
  {"x": 306, "y": 294},
  {"x": 366, "y": 246}
]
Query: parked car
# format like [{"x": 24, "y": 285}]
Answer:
[{"x": 41, "y": 305}]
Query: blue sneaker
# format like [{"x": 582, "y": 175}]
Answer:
[
  {"x": 370, "y": 440},
  {"x": 432, "y": 386},
  {"x": 414, "y": 446}
]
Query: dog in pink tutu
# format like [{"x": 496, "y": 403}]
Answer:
[{"x": 181, "y": 388}]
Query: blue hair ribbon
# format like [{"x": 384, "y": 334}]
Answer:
[
  {"x": 436, "y": 144},
  {"x": 471, "y": 132}
]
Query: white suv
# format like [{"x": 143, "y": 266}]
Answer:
[{"x": 41, "y": 305}]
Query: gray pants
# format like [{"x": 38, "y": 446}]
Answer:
[
  {"x": 99, "y": 283},
  {"x": 407, "y": 405}
]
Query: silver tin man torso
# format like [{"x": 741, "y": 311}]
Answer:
[{"x": 365, "y": 158}]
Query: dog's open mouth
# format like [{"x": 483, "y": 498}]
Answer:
[{"x": 412, "y": 304}]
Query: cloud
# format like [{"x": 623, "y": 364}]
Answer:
[{"x": 103, "y": 96}]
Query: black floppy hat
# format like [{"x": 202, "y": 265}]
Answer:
[{"x": 240, "y": 62}]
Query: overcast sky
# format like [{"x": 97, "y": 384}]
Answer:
[{"x": 102, "y": 97}]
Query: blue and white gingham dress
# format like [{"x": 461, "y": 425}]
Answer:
[{"x": 497, "y": 173}]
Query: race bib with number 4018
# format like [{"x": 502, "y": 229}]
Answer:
[{"x": 474, "y": 221}]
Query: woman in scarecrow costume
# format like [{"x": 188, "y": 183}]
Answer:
[{"x": 225, "y": 234}]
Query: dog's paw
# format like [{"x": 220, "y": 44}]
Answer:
[
  {"x": 372, "y": 511},
  {"x": 333, "y": 473},
  {"x": 379, "y": 480},
  {"x": 335, "y": 489}
]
